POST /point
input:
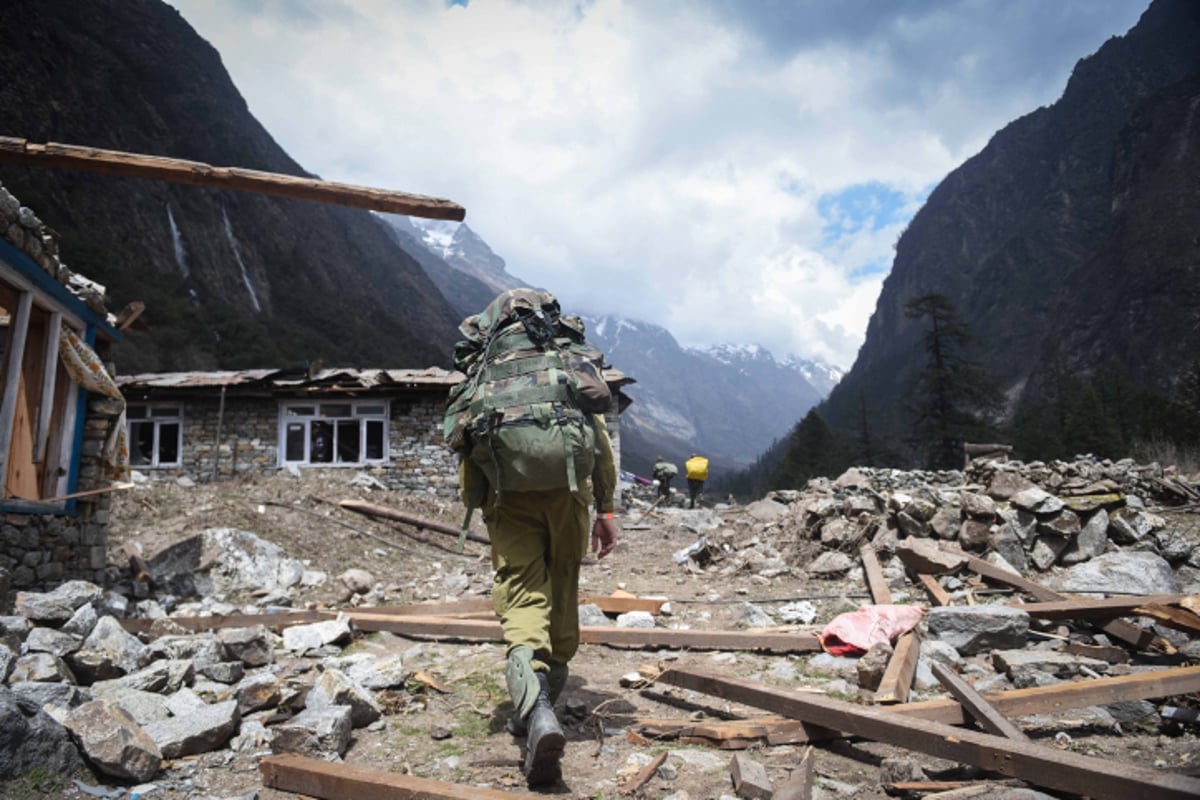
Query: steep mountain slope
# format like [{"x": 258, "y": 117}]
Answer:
[
  {"x": 229, "y": 279},
  {"x": 1067, "y": 234},
  {"x": 728, "y": 403}
]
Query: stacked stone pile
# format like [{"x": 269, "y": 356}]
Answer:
[
  {"x": 1031, "y": 518},
  {"x": 76, "y": 688}
]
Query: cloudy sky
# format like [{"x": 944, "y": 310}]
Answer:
[{"x": 735, "y": 170}]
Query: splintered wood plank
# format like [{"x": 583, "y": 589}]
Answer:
[
  {"x": 1119, "y": 629},
  {"x": 219, "y": 621},
  {"x": 1062, "y": 770},
  {"x": 1178, "y": 618},
  {"x": 315, "y": 778},
  {"x": 798, "y": 786},
  {"x": 1106, "y": 608},
  {"x": 631, "y": 637},
  {"x": 984, "y": 713},
  {"x": 642, "y": 777},
  {"x": 196, "y": 173},
  {"x": 936, "y": 593},
  {"x": 901, "y": 667},
  {"x": 876, "y": 583}
]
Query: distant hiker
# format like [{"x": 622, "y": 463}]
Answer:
[
  {"x": 534, "y": 454},
  {"x": 663, "y": 472},
  {"x": 697, "y": 474}
]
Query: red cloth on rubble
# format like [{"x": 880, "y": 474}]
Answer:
[{"x": 854, "y": 632}]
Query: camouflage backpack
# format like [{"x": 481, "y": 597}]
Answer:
[{"x": 523, "y": 415}]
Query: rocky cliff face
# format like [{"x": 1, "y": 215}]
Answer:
[
  {"x": 1067, "y": 236},
  {"x": 229, "y": 279}
]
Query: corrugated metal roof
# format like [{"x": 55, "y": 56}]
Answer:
[{"x": 362, "y": 378}]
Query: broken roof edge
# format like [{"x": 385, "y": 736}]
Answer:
[{"x": 292, "y": 378}]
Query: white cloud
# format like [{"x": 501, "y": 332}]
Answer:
[{"x": 668, "y": 160}]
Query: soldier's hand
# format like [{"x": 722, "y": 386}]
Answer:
[{"x": 604, "y": 537}]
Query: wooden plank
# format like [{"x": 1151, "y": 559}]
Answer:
[
  {"x": 1091, "y": 609},
  {"x": 647, "y": 772},
  {"x": 799, "y": 784},
  {"x": 634, "y": 637},
  {"x": 195, "y": 173},
  {"x": 1119, "y": 629},
  {"x": 936, "y": 593},
  {"x": 16, "y": 334},
  {"x": 876, "y": 583},
  {"x": 386, "y": 512},
  {"x": 49, "y": 376},
  {"x": 1065, "y": 771},
  {"x": 315, "y": 778},
  {"x": 220, "y": 621},
  {"x": 901, "y": 667},
  {"x": 1178, "y": 618},
  {"x": 750, "y": 778},
  {"x": 973, "y": 703},
  {"x": 1105, "y": 652}
]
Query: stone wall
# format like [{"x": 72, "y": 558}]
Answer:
[
  {"x": 38, "y": 551},
  {"x": 249, "y": 443}
]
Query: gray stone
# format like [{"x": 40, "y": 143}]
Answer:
[
  {"x": 973, "y": 535},
  {"x": 1037, "y": 501},
  {"x": 356, "y": 581},
  {"x": 8, "y": 660},
  {"x": 1091, "y": 540},
  {"x": 923, "y": 556},
  {"x": 90, "y": 666},
  {"x": 1119, "y": 573},
  {"x": 1128, "y": 712},
  {"x": 1046, "y": 550},
  {"x": 872, "y": 665},
  {"x": 29, "y": 738},
  {"x": 1005, "y": 484},
  {"x": 800, "y": 612},
  {"x": 144, "y": 707},
  {"x": 41, "y": 667},
  {"x": 202, "y": 649},
  {"x": 754, "y": 617},
  {"x": 82, "y": 621},
  {"x": 900, "y": 770},
  {"x": 258, "y": 692},
  {"x": 1129, "y": 525},
  {"x": 224, "y": 561},
  {"x": 590, "y": 616},
  {"x": 910, "y": 526},
  {"x": 945, "y": 523},
  {"x": 1173, "y": 545},
  {"x": 15, "y": 627},
  {"x": 44, "y": 608},
  {"x": 227, "y": 672},
  {"x": 1003, "y": 540},
  {"x": 830, "y": 563},
  {"x": 49, "y": 640},
  {"x": 1052, "y": 662},
  {"x": 838, "y": 533},
  {"x": 318, "y": 733},
  {"x": 334, "y": 688},
  {"x": 184, "y": 702},
  {"x": 825, "y": 663},
  {"x": 636, "y": 619},
  {"x": 201, "y": 731},
  {"x": 940, "y": 652},
  {"x": 44, "y": 695},
  {"x": 302, "y": 638},
  {"x": 974, "y": 629},
  {"x": 252, "y": 646},
  {"x": 978, "y": 505},
  {"x": 163, "y": 677},
  {"x": 1023, "y": 523},
  {"x": 766, "y": 510},
  {"x": 113, "y": 742},
  {"x": 123, "y": 648},
  {"x": 1064, "y": 523}
]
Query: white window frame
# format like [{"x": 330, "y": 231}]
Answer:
[
  {"x": 307, "y": 412},
  {"x": 157, "y": 420},
  {"x": 15, "y": 351}
]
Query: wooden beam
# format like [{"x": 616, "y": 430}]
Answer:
[
  {"x": 1119, "y": 629},
  {"x": 974, "y": 704},
  {"x": 1062, "y": 770},
  {"x": 386, "y": 512},
  {"x": 632, "y": 637},
  {"x": 936, "y": 593},
  {"x": 639, "y": 780},
  {"x": 1180, "y": 619},
  {"x": 1087, "y": 608},
  {"x": 196, "y": 173},
  {"x": 799, "y": 784},
  {"x": 129, "y": 314},
  {"x": 315, "y": 778},
  {"x": 220, "y": 621},
  {"x": 901, "y": 667},
  {"x": 876, "y": 583}
]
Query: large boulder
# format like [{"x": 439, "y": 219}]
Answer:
[
  {"x": 974, "y": 629},
  {"x": 29, "y": 737},
  {"x": 113, "y": 741},
  {"x": 1139, "y": 572}
]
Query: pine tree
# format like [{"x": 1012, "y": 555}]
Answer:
[
  {"x": 951, "y": 398},
  {"x": 814, "y": 449}
]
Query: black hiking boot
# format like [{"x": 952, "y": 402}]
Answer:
[{"x": 546, "y": 742}]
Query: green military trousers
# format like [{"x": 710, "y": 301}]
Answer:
[{"x": 538, "y": 542}]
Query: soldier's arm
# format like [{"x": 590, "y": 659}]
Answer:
[{"x": 604, "y": 474}]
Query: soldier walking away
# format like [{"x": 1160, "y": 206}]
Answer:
[
  {"x": 697, "y": 474},
  {"x": 535, "y": 455},
  {"x": 663, "y": 472}
]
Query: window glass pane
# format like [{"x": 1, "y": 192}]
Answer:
[
  {"x": 348, "y": 441},
  {"x": 168, "y": 411},
  {"x": 300, "y": 411},
  {"x": 335, "y": 409},
  {"x": 168, "y": 443},
  {"x": 294, "y": 442},
  {"x": 374, "y": 440},
  {"x": 321, "y": 451},
  {"x": 375, "y": 411},
  {"x": 141, "y": 443},
  {"x": 137, "y": 412}
]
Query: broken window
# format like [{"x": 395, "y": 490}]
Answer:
[
  {"x": 38, "y": 414},
  {"x": 155, "y": 434},
  {"x": 342, "y": 433}
]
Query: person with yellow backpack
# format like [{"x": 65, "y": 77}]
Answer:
[{"x": 697, "y": 474}]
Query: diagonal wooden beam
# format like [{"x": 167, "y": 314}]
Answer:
[
  {"x": 876, "y": 583},
  {"x": 936, "y": 593},
  {"x": 315, "y": 778},
  {"x": 901, "y": 667},
  {"x": 1044, "y": 766},
  {"x": 974, "y": 704},
  {"x": 632, "y": 637},
  {"x": 1101, "y": 609},
  {"x": 196, "y": 173},
  {"x": 1119, "y": 629}
]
